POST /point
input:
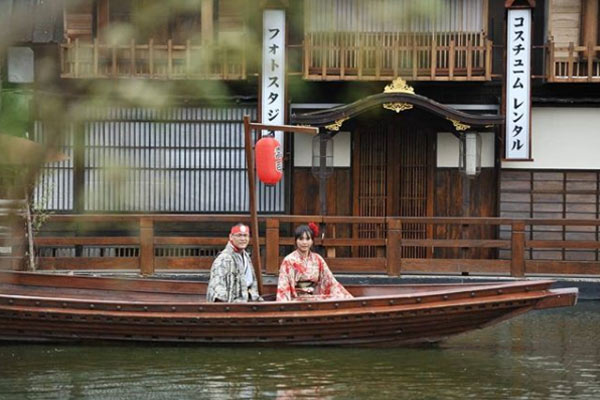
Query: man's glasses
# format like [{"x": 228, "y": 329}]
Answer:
[{"x": 241, "y": 235}]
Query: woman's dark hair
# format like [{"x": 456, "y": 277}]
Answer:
[{"x": 301, "y": 230}]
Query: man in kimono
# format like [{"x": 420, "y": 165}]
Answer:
[{"x": 232, "y": 276}]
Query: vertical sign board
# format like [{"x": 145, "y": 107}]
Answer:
[
  {"x": 273, "y": 96},
  {"x": 518, "y": 85},
  {"x": 273, "y": 70}
]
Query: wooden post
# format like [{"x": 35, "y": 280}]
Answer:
[
  {"x": 552, "y": 64},
  {"x": 132, "y": 60},
  {"x": 95, "y": 58},
  {"x": 169, "y": 58},
  {"x": 272, "y": 245},
  {"x": 256, "y": 260},
  {"x": 18, "y": 243},
  {"x": 146, "y": 246},
  {"x": 590, "y": 60},
  {"x": 451, "y": 57},
  {"x": 570, "y": 62},
  {"x": 517, "y": 264},
  {"x": 188, "y": 59},
  {"x": 324, "y": 42},
  {"x": 206, "y": 25},
  {"x": 248, "y": 127},
  {"x": 469, "y": 59},
  {"x": 307, "y": 52},
  {"x": 394, "y": 250},
  {"x": 415, "y": 59},
  {"x": 433, "y": 56},
  {"x": 76, "y": 57},
  {"x": 151, "y": 58},
  {"x": 488, "y": 60},
  {"x": 114, "y": 60}
]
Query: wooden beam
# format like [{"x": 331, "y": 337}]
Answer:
[
  {"x": 255, "y": 234},
  {"x": 517, "y": 265},
  {"x": 272, "y": 245},
  {"x": 207, "y": 18},
  {"x": 146, "y": 246},
  {"x": 590, "y": 28}
]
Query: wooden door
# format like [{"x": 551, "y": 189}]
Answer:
[{"x": 393, "y": 176}]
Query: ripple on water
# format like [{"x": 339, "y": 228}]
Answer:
[{"x": 544, "y": 355}]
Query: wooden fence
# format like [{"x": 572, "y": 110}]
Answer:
[
  {"x": 84, "y": 59},
  {"x": 449, "y": 56},
  {"x": 573, "y": 63},
  {"x": 142, "y": 246}
]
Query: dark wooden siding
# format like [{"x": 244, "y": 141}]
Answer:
[
  {"x": 449, "y": 201},
  {"x": 305, "y": 200},
  {"x": 552, "y": 194}
]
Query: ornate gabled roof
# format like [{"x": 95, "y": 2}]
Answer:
[{"x": 397, "y": 97}]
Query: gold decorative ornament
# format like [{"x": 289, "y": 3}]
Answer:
[
  {"x": 336, "y": 125},
  {"x": 399, "y": 85},
  {"x": 397, "y": 106},
  {"x": 459, "y": 126}
]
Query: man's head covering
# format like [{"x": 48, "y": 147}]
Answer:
[{"x": 239, "y": 228}]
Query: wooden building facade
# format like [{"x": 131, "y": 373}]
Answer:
[{"x": 396, "y": 84}]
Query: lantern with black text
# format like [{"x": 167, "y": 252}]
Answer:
[{"x": 269, "y": 160}]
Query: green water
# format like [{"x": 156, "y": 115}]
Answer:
[{"x": 553, "y": 354}]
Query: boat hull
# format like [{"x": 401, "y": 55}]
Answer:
[{"x": 46, "y": 308}]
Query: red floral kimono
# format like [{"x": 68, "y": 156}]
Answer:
[{"x": 308, "y": 278}]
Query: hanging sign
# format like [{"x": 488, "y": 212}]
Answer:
[
  {"x": 273, "y": 70},
  {"x": 518, "y": 85}
]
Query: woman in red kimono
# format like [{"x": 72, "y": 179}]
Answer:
[{"x": 304, "y": 275}]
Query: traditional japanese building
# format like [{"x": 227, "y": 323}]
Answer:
[{"x": 480, "y": 110}]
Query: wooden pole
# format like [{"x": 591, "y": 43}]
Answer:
[
  {"x": 256, "y": 262},
  {"x": 248, "y": 127}
]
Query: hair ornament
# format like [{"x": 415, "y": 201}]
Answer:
[{"x": 314, "y": 228}]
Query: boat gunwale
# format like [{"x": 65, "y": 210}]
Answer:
[{"x": 511, "y": 288}]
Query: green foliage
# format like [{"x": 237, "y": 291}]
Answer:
[{"x": 15, "y": 112}]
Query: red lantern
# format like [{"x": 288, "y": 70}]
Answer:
[{"x": 269, "y": 160}]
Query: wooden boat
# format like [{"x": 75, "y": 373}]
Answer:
[{"x": 50, "y": 307}]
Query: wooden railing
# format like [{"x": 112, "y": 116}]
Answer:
[
  {"x": 146, "y": 248},
  {"x": 573, "y": 63},
  {"x": 451, "y": 56},
  {"x": 82, "y": 59}
]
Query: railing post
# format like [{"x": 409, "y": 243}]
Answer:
[
  {"x": 451, "y": 58},
  {"x": 272, "y": 246},
  {"x": 169, "y": 58},
  {"x": 18, "y": 243},
  {"x": 517, "y": 264},
  {"x": 146, "y": 246},
  {"x": 151, "y": 57},
  {"x": 433, "y": 56},
  {"x": 188, "y": 59},
  {"x": 469, "y": 59},
  {"x": 393, "y": 250},
  {"x": 95, "y": 58},
  {"x": 132, "y": 59},
  {"x": 551, "y": 62},
  {"x": 590, "y": 60},
  {"x": 570, "y": 64},
  {"x": 76, "y": 58},
  {"x": 488, "y": 60},
  {"x": 114, "y": 60}
]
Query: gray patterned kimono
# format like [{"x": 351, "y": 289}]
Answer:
[{"x": 229, "y": 278}]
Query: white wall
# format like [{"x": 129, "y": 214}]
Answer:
[
  {"x": 563, "y": 138},
  {"x": 448, "y": 150},
  {"x": 303, "y": 150}
]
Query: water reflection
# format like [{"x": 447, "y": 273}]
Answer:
[{"x": 553, "y": 354}]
